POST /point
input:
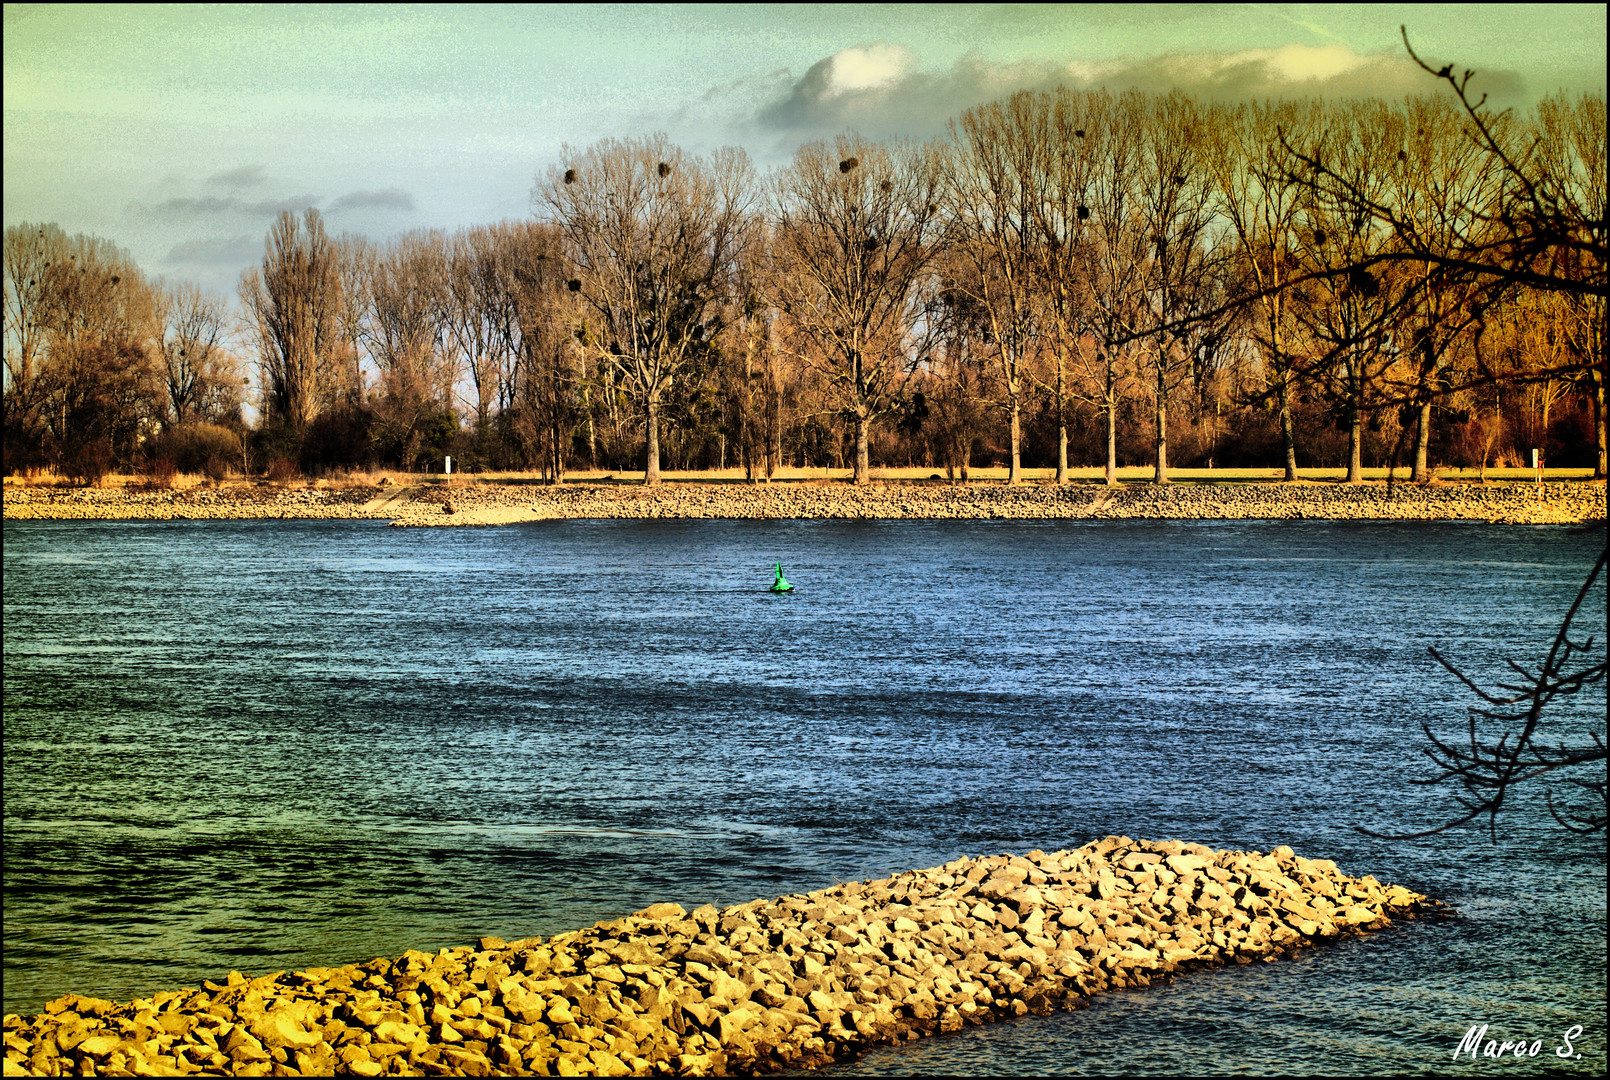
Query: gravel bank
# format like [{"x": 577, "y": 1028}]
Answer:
[
  {"x": 230, "y": 502},
  {"x": 793, "y": 982},
  {"x": 494, "y": 504}
]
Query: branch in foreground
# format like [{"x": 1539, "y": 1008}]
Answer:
[{"x": 1489, "y": 769}]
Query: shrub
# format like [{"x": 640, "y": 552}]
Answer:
[
  {"x": 337, "y": 440},
  {"x": 217, "y": 468},
  {"x": 276, "y": 439},
  {"x": 282, "y": 470},
  {"x": 159, "y": 473},
  {"x": 191, "y": 447},
  {"x": 89, "y": 461}
]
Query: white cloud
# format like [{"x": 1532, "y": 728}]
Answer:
[
  {"x": 865, "y": 67},
  {"x": 881, "y": 90},
  {"x": 1309, "y": 63}
]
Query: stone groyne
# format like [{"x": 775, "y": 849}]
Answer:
[
  {"x": 795, "y": 982},
  {"x": 1569, "y": 502}
]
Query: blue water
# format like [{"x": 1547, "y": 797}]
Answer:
[{"x": 262, "y": 745}]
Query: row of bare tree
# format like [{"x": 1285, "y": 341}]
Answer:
[
  {"x": 1303, "y": 280},
  {"x": 96, "y": 354},
  {"x": 1083, "y": 247}
]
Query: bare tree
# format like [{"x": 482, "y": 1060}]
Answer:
[
  {"x": 1540, "y": 231},
  {"x": 1174, "y": 211},
  {"x": 996, "y": 177},
  {"x": 653, "y": 234},
  {"x": 547, "y": 343},
  {"x": 1570, "y": 151},
  {"x": 355, "y": 256},
  {"x": 1062, "y": 248},
  {"x": 953, "y": 379},
  {"x": 858, "y": 229},
  {"x": 475, "y": 319},
  {"x": 30, "y": 253},
  {"x": 1353, "y": 302},
  {"x": 406, "y": 333},
  {"x": 1261, "y": 199},
  {"x": 1541, "y": 225},
  {"x": 292, "y": 304},
  {"x": 197, "y": 369},
  {"x": 1114, "y": 278},
  {"x": 1438, "y": 175},
  {"x": 751, "y": 369},
  {"x": 407, "y": 323}
]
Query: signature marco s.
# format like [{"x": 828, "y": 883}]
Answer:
[{"x": 1478, "y": 1045}]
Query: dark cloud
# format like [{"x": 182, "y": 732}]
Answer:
[
  {"x": 232, "y": 252},
  {"x": 243, "y": 177},
  {"x": 229, "y": 204},
  {"x": 878, "y": 90},
  {"x": 383, "y": 199}
]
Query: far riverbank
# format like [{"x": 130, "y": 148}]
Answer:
[{"x": 472, "y": 501}]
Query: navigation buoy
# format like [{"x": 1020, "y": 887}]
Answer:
[{"x": 781, "y": 584}]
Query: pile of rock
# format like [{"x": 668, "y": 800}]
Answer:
[
  {"x": 793, "y": 982},
  {"x": 226, "y": 503},
  {"x": 1557, "y": 503},
  {"x": 494, "y": 503}
]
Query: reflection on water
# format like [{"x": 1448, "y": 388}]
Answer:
[{"x": 260, "y": 745}]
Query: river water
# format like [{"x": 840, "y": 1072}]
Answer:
[{"x": 261, "y": 745}]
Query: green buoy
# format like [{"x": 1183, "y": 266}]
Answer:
[{"x": 781, "y": 584}]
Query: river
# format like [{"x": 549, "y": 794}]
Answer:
[{"x": 260, "y": 745}]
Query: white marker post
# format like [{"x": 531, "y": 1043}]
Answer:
[
  {"x": 1537, "y": 465},
  {"x": 448, "y": 468}
]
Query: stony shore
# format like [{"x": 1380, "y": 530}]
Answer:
[
  {"x": 1571, "y": 502},
  {"x": 795, "y": 982}
]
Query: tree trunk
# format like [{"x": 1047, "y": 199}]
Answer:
[
  {"x": 1543, "y": 437},
  {"x": 1112, "y": 441},
  {"x": 863, "y": 471},
  {"x": 561, "y": 452},
  {"x": 1160, "y": 476},
  {"x": 1062, "y": 420},
  {"x": 1598, "y": 422},
  {"x": 1288, "y": 434},
  {"x": 1422, "y": 445},
  {"x": 651, "y": 451},
  {"x": 774, "y": 451},
  {"x": 1014, "y": 473},
  {"x": 1355, "y": 446}
]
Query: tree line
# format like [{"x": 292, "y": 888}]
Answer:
[{"x": 1072, "y": 277}]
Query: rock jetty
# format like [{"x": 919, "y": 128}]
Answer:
[
  {"x": 493, "y": 503},
  {"x": 794, "y": 982}
]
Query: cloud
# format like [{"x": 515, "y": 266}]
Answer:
[
  {"x": 383, "y": 199},
  {"x": 232, "y": 252},
  {"x": 879, "y": 89},
  {"x": 228, "y": 204},
  {"x": 242, "y": 177},
  {"x": 865, "y": 67}
]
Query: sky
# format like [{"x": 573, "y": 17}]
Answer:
[{"x": 180, "y": 133}]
